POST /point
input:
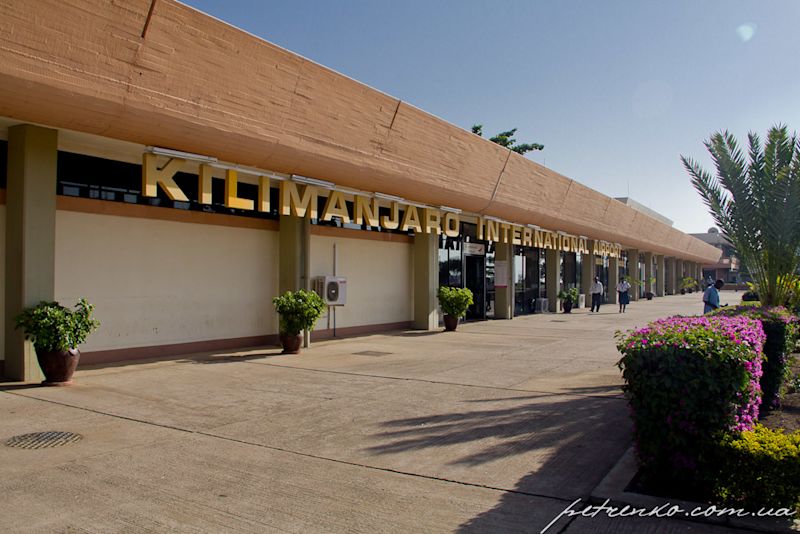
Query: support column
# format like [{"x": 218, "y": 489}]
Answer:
[
  {"x": 426, "y": 281},
  {"x": 671, "y": 286},
  {"x": 648, "y": 272},
  {"x": 30, "y": 237},
  {"x": 294, "y": 251},
  {"x": 504, "y": 296},
  {"x": 659, "y": 276},
  {"x": 552, "y": 282},
  {"x": 633, "y": 272},
  {"x": 613, "y": 280},
  {"x": 587, "y": 277}
]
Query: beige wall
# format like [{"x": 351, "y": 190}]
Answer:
[
  {"x": 159, "y": 282},
  {"x": 379, "y": 279},
  {"x": 2, "y": 278}
]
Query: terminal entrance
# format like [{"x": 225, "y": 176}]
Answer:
[{"x": 475, "y": 281}]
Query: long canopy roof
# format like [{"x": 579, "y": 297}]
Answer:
[{"x": 157, "y": 72}]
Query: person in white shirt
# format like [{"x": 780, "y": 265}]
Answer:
[
  {"x": 624, "y": 298},
  {"x": 596, "y": 290}
]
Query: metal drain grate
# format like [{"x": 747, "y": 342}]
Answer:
[
  {"x": 372, "y": 353},
  {"x": 43, "y": 440}
]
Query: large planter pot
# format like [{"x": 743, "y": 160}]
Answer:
[
  {"x": 291, "y": 343},
  {"x": 649, "y": 296},
  {"x": 683, "y": 291},
  {"x": 567, "y": 304},
  {"x": 450, "y": 323},
  {"x": 58, "y": 366}
]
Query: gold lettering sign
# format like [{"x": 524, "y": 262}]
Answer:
[
  {"x": 231, "y": 198},
  {"x": 291, "y": 203},
  {"x": 336, "y": 206},
  {"x": 152, "y": 177},
  {"x": 301, "y": 201}
]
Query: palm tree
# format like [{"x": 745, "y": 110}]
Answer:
[{"x": 756, "y": 204}]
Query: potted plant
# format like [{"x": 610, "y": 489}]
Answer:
[
  {"x": 649, "y": 295},
  {"x": 688, "y": 284},
  {"x": 569, "y": 299},
  {"x": 56, "y": 332},
  {"x": 454, "y": 302},
  {"x": 298, "y": 310}
]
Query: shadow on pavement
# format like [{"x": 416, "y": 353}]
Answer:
[{"x": 580, "y": 438}]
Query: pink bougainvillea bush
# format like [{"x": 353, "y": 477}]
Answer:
[
  {"x": 688, "y": 381},
  {"x": 781, "y": 328}
]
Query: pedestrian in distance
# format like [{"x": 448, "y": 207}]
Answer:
[
  {"x": 711, "y": 296},
  {"x": 622, "y": 292},
  {"x": 596, "y": 290}
]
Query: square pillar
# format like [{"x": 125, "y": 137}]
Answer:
[
  {"x": 648, "y": 272},
  {"x": 30, "y": 237},
  {"x": 426, "y": 281},
  {"x": 294, "y": 251},
  {"x": 659, "y": 276},
  {"x": 613, "y": 280},
  {"x": 587, "y": 277},
  {"x": 671, "y": 286},
  {"x": 552, "y": 281},
  {"x": 294, "y": 242},
  {"x": 633, "y": 272},
  {"x": 504, "y": 296}
]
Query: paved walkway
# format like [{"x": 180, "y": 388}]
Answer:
[{"x": 495, "y": 428}]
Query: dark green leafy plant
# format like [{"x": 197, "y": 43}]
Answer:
[
  {"x": 52, "y": 327},
  {"x": 755, "y": 201},
  {"x": 298, "y": 310},
  {"x": 455, "y": 300},
  {"x": 570, "y": 294}
]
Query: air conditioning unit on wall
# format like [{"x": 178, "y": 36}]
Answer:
[{"x": 332, "y": 289}]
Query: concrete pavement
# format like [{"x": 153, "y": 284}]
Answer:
[{"x": 497, "y": 427}]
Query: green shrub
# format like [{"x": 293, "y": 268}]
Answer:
[
  {"x": 52, "y": 327},
  {"x": 455, "y": 300},
  {"x": 781, "y": 328},
  {"x": 299, "y": 310},
  {"x": 688, "y": 283},
  {"x": 570, "y": 294},
  {"x": 759, "y": 468},
  {"x": 689, "y": 380},
  {"x": 750, "y": 296}
]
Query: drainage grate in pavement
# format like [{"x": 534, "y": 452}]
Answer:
[
  {"x": 558, "y": 321},
  {"x": 43, "y": 440},
  {"x": 372, "y": 353}
]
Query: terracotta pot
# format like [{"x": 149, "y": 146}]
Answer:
[
  {"x": 291, "y": 344},
  {"x": 450, "y": 323},
  {"x": 58, "y": 366}
]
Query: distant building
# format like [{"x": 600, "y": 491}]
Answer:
[{"x": 728, "y": 267}]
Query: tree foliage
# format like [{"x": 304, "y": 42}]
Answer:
[
  {"x": 755, "y": 201},
  {"x": 507, "y": 140}
]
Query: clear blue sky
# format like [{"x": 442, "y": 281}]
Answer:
[{"x": 615, "y": 90}]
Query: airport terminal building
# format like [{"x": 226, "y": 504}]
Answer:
[{"x": 179, "y": 173}]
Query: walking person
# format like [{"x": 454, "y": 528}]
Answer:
[
  {"x": 596, "y": 290},
  {"x": 624, "y": 298},
  {"x": 711, "y": 296}
]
